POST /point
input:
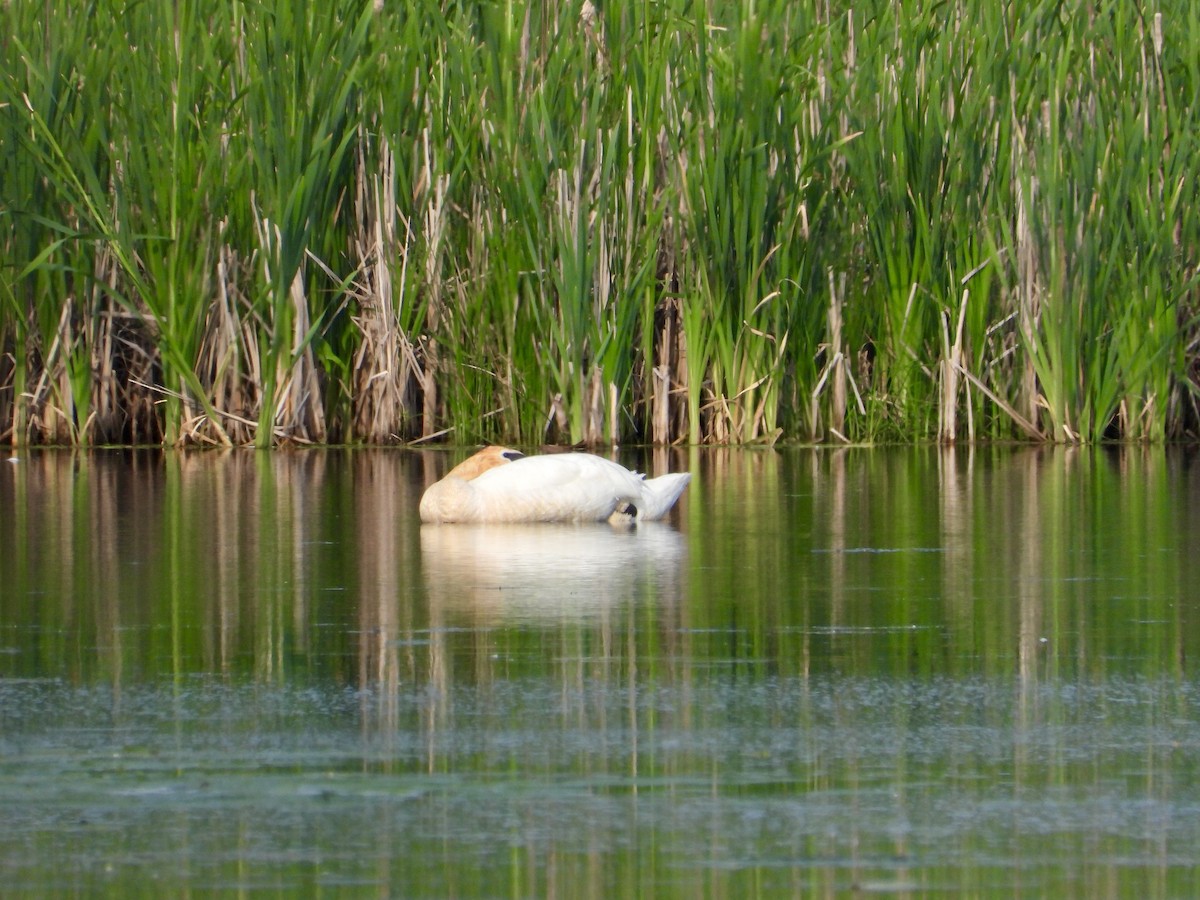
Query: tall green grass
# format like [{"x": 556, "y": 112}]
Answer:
[{"x": 591, "y": 223}]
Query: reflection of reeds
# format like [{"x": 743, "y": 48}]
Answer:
[
  {"x": 235, "y": 223},
  {"x": 279, "y": 567}
]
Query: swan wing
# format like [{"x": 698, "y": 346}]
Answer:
[{"x": 556, "y": 487}]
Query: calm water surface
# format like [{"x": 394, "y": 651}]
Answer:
[{"x": 914, "y": 671}]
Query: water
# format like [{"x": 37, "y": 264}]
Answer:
[{"x": 907, "y": 671}]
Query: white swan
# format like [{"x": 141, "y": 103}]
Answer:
[{"x": 502, "y": 485}]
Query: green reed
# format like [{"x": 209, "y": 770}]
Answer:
[{"x": 591, "y": 223}]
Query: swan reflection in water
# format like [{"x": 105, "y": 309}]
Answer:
[{"x": 522, "y": 571}]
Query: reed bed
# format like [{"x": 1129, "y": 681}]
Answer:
[{"x": 571, "y": 222}]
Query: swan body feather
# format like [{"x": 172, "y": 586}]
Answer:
[{"x": 499, "y": 485}]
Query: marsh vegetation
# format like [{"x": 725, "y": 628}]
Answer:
[{"x": 592, "y": 222}]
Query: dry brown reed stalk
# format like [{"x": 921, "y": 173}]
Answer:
[
  {"x": 383, "y": 371},
  {"x": 604, "y": 311},
  {"x": 298, "y": 414},
  {"x": 837, "y": 417},
  {"x": 301, "y": 410},
  {"x": 134, "y": 416},
  {"x": 1028, "y": 288},
  {"x": 663, "y": 373},
  {"x": 949, "y": 368},
  {"x": 834, "y": 374},
  {"x": 123, "y": 358},
  {"x": 228, "y": 352},
  {"x": 52, "y": 411},
  {"x": 9, "y": 419},
  {"x": 593, "y": 410},
  {"x": 435, "y": 220},
  {"x": 14, "y": 370},
  {"x": 106, "y": 409}
]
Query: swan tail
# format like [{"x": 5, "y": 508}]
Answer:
[{"x": 659, "y": 494}]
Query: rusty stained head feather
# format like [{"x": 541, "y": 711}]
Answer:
[{"x": 487, "y": 458}]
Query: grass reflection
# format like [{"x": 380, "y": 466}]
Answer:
[{"x": 1033, "y": 562}]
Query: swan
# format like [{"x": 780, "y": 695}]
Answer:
[{"x": 502, "y": 485}]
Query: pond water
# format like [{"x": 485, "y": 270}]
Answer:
[{"x": 907, "y": 671}]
